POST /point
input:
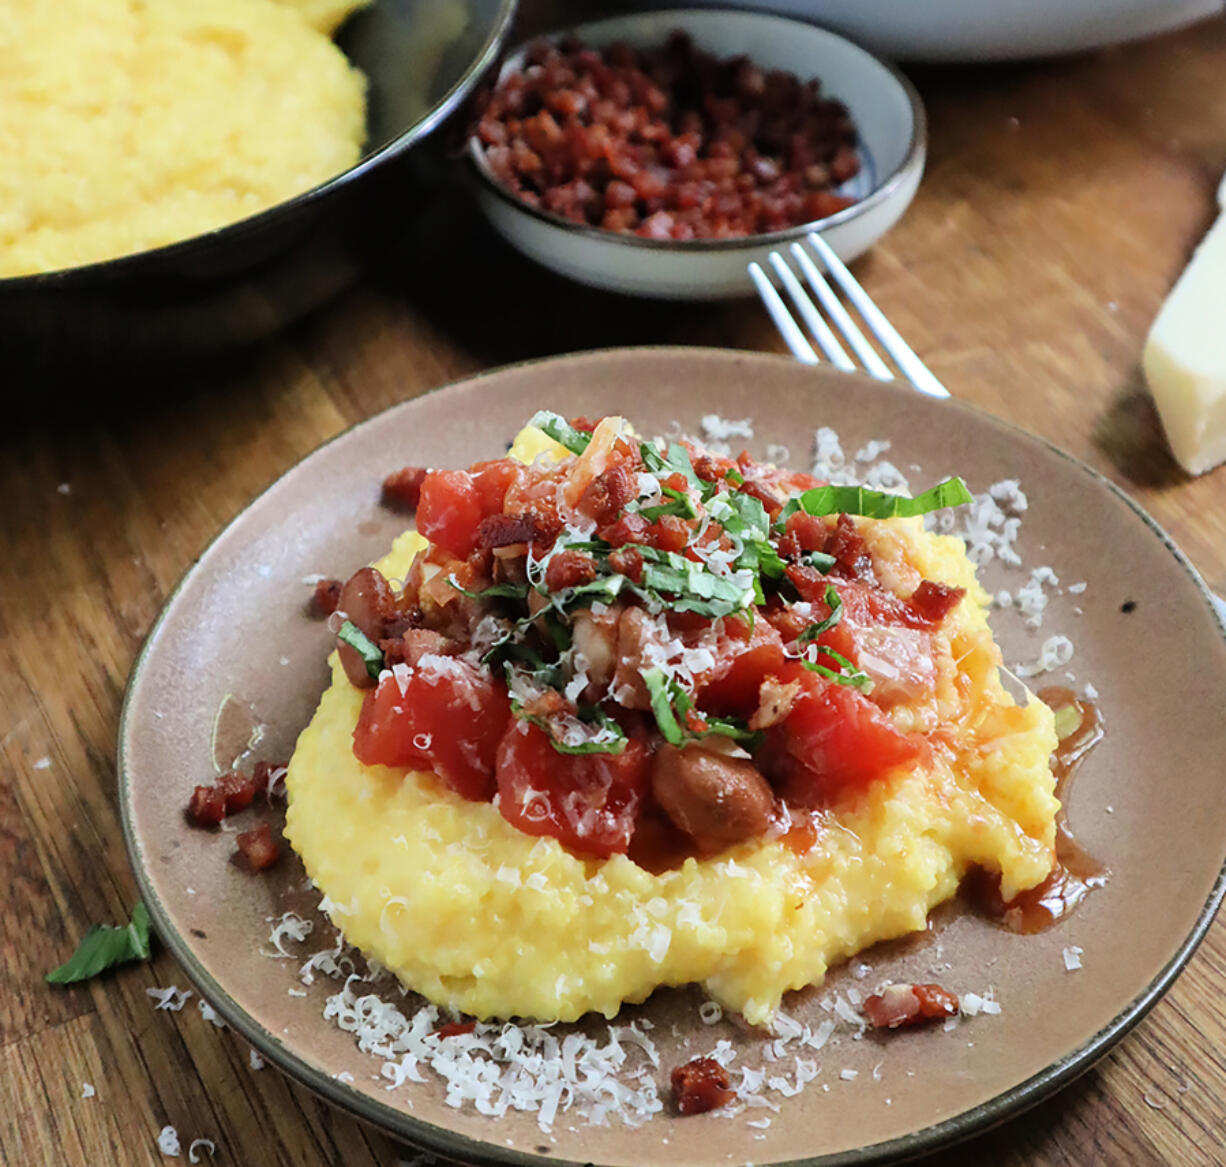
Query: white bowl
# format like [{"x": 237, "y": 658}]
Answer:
[
  {"x": 884, "y": 106},
  {"x": 990, "y": 30}
]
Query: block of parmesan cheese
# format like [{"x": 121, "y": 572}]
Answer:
[{"x": 1185, "y": 355}]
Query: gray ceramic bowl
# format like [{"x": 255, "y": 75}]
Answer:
[{"x": 893, "y": 144}]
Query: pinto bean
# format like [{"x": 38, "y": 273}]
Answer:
[
  {"x": 368, "y": 602},
  {"x": 716, "y": 799}
]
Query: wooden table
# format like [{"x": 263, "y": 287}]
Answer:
[{"x": 1061, "y": 200}]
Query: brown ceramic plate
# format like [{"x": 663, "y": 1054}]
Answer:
[{"x": 1148, "y": 801}]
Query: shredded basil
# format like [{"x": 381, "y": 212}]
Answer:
[
  {"x": 819, "y": 560},
  {"x": 353, "y": 636},
  {"x": 670, "y": 704},
  {"x": 732, "y": 727},
  {"x": 505, "y": 591},
  {"x": 681, "y": 505},
  {"x": 103, "y": 947},
  {"x": 845, "y": 674},
  {"x": 835, "y": 603},
  {"x": 675, "y": 460},
  {"x": 562, "y": 432},
  {"x": 875, "y": 504},
  {"x": 662, "y": 707}
]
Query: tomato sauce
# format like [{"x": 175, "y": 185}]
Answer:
[{"x": 1075, "y": 873}]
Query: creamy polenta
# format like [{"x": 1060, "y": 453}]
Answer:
[
  {"x": 473, "y": 913},
  {"x": 126, "y": 126}
]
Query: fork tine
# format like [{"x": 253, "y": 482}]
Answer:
[
  {"x": 913, "y": 368},
  {"x": 818, "y": 328},
  {"x": 846, "y": 325},
  {"x": 802, "y": 350}
]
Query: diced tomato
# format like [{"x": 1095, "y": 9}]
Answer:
[
  {"x": 449, "y": 719},
  {"x": 588, "y": 802},
  {"x": 492, "y": 480},
  {"x": 449, "y": 509},
  {"x": 452, "y": 503},
  {"x": 834, "y": 739},
  {"x": 259, "y": 847},
  {"x": 744, "y": 661},
  {"x": 809, "y": 582}
]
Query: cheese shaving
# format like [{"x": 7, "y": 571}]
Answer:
[
  {"x": 168, "y": 1142},
  {"x": 206, "y": 1144}
]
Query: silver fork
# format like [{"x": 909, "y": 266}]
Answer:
[
  {"x": 911, "y": 367},
  {"x": 808, "y": 308}
]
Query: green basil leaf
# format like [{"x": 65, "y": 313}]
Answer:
[
  {"x": 497, "y": 591},
  {"x": 681, "y": 505},
  {"x": 751, "y": 512},
  {"x": 845, "y": 674},
  {"x": 661, "y": 705},
  {"x": 562, "y": 432},
  {"x": 835, "y": 603},
  {"x": 353, "y": 636},
  {"x": 103, "y": 947},
  {"x": 819, "y": 560},
  {"x": 730, "y": 727},
  {"x": 875, "y": 504}
]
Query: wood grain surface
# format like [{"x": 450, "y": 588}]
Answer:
[{"x": 1062, "y": 198}]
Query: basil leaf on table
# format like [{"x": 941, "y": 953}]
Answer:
[{"x": 105, "y": 946}]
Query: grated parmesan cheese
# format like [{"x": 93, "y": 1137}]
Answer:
[
  {"x": 171, "y": 997},
  {"x": 207, "y": 1144},
  {"x": 1056, "y": 652},
  {"x": 210, "y": 1014},
  {"x": 87, "y": 1090},
  {"x": 498, "y": 1068},
  {"x": 1072, "y": 957},
  {"x": 717, "y": 430},
  {"x": 291, "y": 926}
]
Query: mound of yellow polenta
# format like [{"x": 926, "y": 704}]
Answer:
[
  {"x": 475, "y": 915},
  {"x": 125, "y": 126}
]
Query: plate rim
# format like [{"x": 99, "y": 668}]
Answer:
[{"x": 451, "y": 1144}]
